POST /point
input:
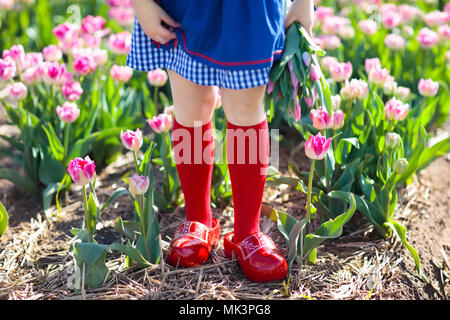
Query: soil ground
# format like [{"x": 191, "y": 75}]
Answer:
[{"x": 34, "y": 263}]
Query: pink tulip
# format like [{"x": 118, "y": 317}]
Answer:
[
  {"x": 7, "y": 68},
  {"x": 18, "y": 91},
  {"x": 321, "y": 119},
  {"x": 355, "y": 89},
  {"x": 91, "y": 24},
  {"x": 100, "y": 56},
  {"x": 54, "y": 73},
  {"x": 138, "y": 185},
  {"x": 315, "y": 73},
  {"x": 82, "y": 171},
  {"x": 124, "y": 16},
  {"x": 427, "y": 38},
  {"x": 335, "y": 102},
  {"x": 31, "y": 76},
  {"x": 160, "y": 123},
  {"x": 66, "y": 32},
  {"x": 317, "y": 147},
  {"x": 338, "y": 119},
  {"x": 396, "y": 110},
  {"x": 91, "y": 41},
  {"x": 270, "y": 87},
  {"x": 6, "y": 4},
  {"x": 132, "y": 140},
  {"x": 408, "y": 12},
  {"x": 387, "y": 8},
  {"x": 444, "y": 32},
  {"x": 121, "y": 73},
  {"x": 323, "y": 13},
  {"x": 298, "y": 110},
  {"x": 390, "y": 86},
  {"x": 436, "y": 18},
  {"x": 68, "y": 112},
  {"x": 16, "y": 53},
  {"x": 306, "y": 58},
  {"x": 428, "y": 87},
  {"x": 378, "y": 76},
  {"x": 391, "y": 19},
  {"x": 157, "y": 78},
  {"x": 329, "y": 42},
  {"x": 120, "y": 43},
  {"x": 403, "y": 92},
  {"x": 373, "y": 63},
  {"x": 394, "y": 41},
  {"x": 328, "y": 62},
  {"x": 52, "y": 53},
  {"x": 72, "y": 90},
  {"x": 368, "y": 27},
  {"x": 84, "y": 65},
  {"x": 294, "y": 82},
  {"x": 309, "y": 100},
  {"x": 346, "y": 32},
  {"x": 341, "y": 71},
  {"x": 170, "y": 110}
]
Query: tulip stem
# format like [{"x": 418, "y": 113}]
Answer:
[
  {"x": 86, "y": 215},
  {"x": 136, "y": 163},
  {"x": 66, "y": 141},
  {"x": 308, "y": 195},
  {"x": 155, "y": 96},
  {"x": 142, "y": 223}
]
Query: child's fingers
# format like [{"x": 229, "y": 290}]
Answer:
[
  {"x": 166, "y": 34},
  {"x": 169, "y": 20}
]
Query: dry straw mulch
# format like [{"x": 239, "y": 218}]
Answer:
[{"x": 34, "y": 263}]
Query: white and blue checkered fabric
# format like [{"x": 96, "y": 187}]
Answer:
[{"x": 143, "y": 57}]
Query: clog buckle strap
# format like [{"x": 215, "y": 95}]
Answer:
[
  {"x": 193, "y": 229},
  {"x": 254, "y": 243}
]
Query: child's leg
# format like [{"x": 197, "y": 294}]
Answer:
[
  {"x": 193, "y": 157},
  {"x": 247, "y": 155}
]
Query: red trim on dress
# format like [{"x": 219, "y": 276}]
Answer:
[
  {"x": 225, "y": 63},
  {"x": 214, "y": 60}
]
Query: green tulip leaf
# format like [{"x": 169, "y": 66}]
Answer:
[{"x": 3, "y": 219}]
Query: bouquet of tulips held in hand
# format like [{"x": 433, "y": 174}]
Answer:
[{"x": 297, "y": 77}]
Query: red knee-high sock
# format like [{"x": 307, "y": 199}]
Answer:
[
  {"x": 194, "y": 159},
  {"x": 248, "y": 156}
]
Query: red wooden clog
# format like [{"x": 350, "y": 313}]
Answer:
[
  {"x": 258, "y": 256},
  {"x": 192, "y": 243}
]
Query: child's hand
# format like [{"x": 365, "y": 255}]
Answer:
[
  {"x": 301, "y": 11},
  {"x": 150, "y": 17}
]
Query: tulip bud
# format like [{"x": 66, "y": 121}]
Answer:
[
  {"x": 157, "y": 78},
  {"x": 138, "y": 185},
  {"x": 306, "y": 57},
  {"x": 428, "y": 87},
  {"x": 317, "y": 147},
  {"x": 160, "y": 123},
  {"x": 393, "y": 140},
  {"x": 338, "y": 119},
  {"x": 400, "y": 166},
  {"x": 18, "y": 91},
  {"x": 396, "y": 110},
  {"x": 315, "y": 75},
  {"x": 321, "y": 119},
  {"x": 270, "y": 87},
  {"x": 132, "y": 140},
  {"x": 68, "y": 112},
  {"x": 82, "y": 171}
]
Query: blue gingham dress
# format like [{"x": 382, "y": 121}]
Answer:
[{"x": 225, "y": 43}]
